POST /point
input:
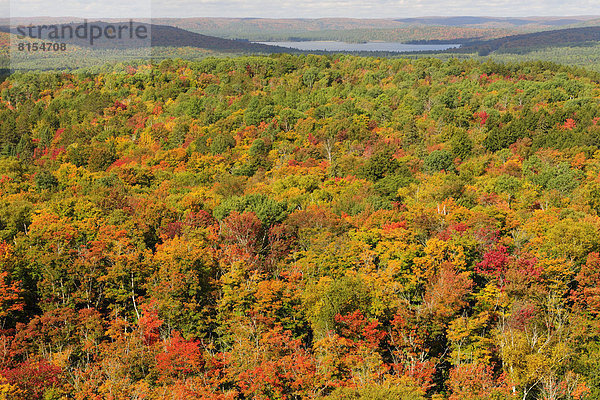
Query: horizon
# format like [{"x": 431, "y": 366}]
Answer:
[{"x": 590, "y": 17}]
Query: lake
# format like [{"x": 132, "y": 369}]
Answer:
[{"x": 370, "y": 46}]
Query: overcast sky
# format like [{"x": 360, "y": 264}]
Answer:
[{"x": 298, "y": 9}]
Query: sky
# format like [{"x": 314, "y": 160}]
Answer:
[{"x": 296, "y": 9}]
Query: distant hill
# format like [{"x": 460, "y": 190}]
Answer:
[
  {"x": 336, "y": 29},
  {"x": 525, "y": 42},
  {"x": 450, "y": 29},
  {"x": 170, "y": 36},
  {"x": 467, "y": 20},
  {"x": 159, "y": 36},
  {"x": 213, "y": 26},
  {"x": 523, "y": 34},
  {"x": 344, "y": 29}
]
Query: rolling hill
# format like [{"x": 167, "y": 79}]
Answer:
[
  {"x": 461, "y": 28},
  {"x": 517, "y": 22},
  {"x": 526, "y": 42},
  {"x": 158, "y": 36}
]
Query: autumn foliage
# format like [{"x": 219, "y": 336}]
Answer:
[{"x": 300, "y": 227}]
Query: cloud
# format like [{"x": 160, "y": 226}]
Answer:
[
  {"x": 81, "y": 8},
  {"x": 299, "y": 9}
]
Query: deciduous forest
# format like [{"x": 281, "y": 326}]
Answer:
[{"x": 301, "y": 227}]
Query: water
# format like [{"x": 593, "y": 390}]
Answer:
[{"x": 370, "y": 46}]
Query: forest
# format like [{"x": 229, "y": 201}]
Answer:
[
  {"x": 519, "y": 44},
  {"x": 301, "y": 227}
]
